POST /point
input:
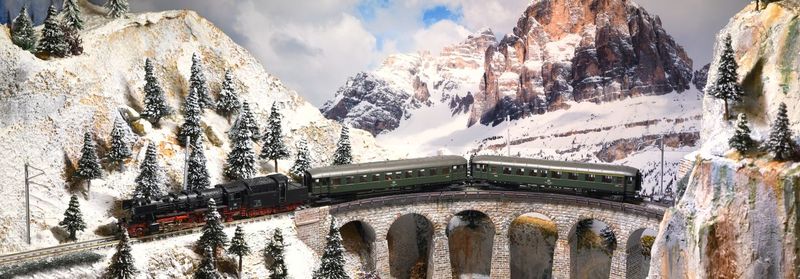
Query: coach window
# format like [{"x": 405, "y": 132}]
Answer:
[
  {"x": 590, "y": 177},
  {"x": 337, "y": 181},
  {"x": 607, "y": 179},
  {"x": 456, "y": 167},
  {"x": 629, "y": 179},
  {"x": 421, "y": 173},
  {"x": 349, "y": 180},
  {"x": 364, "y": 178},
  {"x": 445, "y": 171},
  {"x": 376, "y": 177},
  {"x": 618, "y": 179},
  {"x": 506, "y": 170},
  {"x": 316, "y": 182},
  {"x": 520, "y": 171},
  {"x": 409, "y": 174},
  {"x": 534, "y": 172},
  {"x": 388, "y": 176},
  {"x": 543, "y": 173},
  {"x": 493, "y": 169},
  {"x": 572, "y": 175},
  {"x": 433, "y": 171},
  {"x": 555, "y": 174}
]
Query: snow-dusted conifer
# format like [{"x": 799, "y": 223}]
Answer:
[
  {"x": 22, "y": 33},
  {"x": 741, "y": 140},
  {"x": 332, "y": 262},
  {"x": 780, "y": 142},
  {"x": 213, "y": 235},
  {"x": 120, "y": 149},
  {"x": 246, "y": 121},
  {"x": 117, "y": 8},
  {"x": 197, "y": 178},
  {"x": 155, "y": 104},
  {"x": 273, "y": 255},
  {"x": 73, "y": 39},
  {"x": 207, "y": 269},
  {"x": 726, "y": 86},
  {"x": 228, "y": 102},
  {"x": 241, "y": 162},
  {"x": 122, "y": 263},
  {"x": 197, "y": 80},
  {"x": 73, "y": 219},
  {"x": 149, "y": 182},
  {"x": 239, "y": 246},
  {"x": 52, "y": 42},
  {"x": 302, "y": 162},
  {"x": 89, "y": 163},
  {"x": 273, "y": 147},
  {"x": 191, "y": 129},
  {"x": 72, "y": 15},
  {"x": 343, "y": 154}
]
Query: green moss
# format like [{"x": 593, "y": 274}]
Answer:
[
  {"x": 752, "y": 194},
  {"x": 789, "y": 55},
  {"x": 647, "y": 244}
]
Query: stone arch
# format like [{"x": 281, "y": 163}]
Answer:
[
  {"x": 592, "y": 243},
  {"x": 637, "y": 259},
  {"x": 359, "y": 239},
  {"x": 410, "y": 245},
  {"x": 470, "y": 236},
  {"x": 532, "y": 242}
]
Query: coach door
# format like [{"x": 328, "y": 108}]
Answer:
[{"x": 282, "y": 192}]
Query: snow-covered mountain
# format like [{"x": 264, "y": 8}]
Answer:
[{"x": 48, "y": 104}]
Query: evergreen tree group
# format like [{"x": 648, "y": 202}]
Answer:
[
  {"x": 197, "y": 81},
  {"x": 741, "y": 140},
  {"x": 73, "y": 40},
  {"x": 780, "y": 142},
  {"x": 197, "y": 176},
  {"x": 73, "y": 219},
  {"x": 150, "y": 181},
  {"x": 245, "y": 121},
  {"x": 239, "y": 246},
  {"x": 273, "y": 255},
  {"x": 343, "y": 154},
  {"x": 726, "y": 86},
  {"x": 155, "y": 104},
  {"x": 241, "y": 161},
  {"x": 228, "y": 102},
  {"x": 120, "y": 149},
  {"x": 89, "y": 163},
  {"x": 302, "y": 163},
  {"x": 122, "y": 263},
  {"x": 191, "y": 130},
  {"x": 22, "y": 33},
  {"x": 72, "y": 15},
  {"x": 53, "y": 41},
  {"x": 332, "y": 263},
  {"x": 207, "y": 269},
  {"x": 117, "y": 8},
  {"x": 273, "y": 147},
  {"x": 213, "y": 236}
]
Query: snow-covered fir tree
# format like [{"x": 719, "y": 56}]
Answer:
[
  {"x": 73, "y": 39},
  {"x": 191, "y": 130},
  {"x": 239, "y": 246},
  {"x": 207, "y": 269},
  {"x": 73, "y": 219},
  {"x": 213, "y": 234},
  {"x": 741, "y": 139},
  {"x": 197, "y": 81},
  {"x": 155, "y": 104},
  {"x": 22, "y": 33},
  {"x": 52, "y": 42},
  {"x": 117, "y": 8},
  {"x": 302, "y": 162},
  {"x": 332, "y": 262},
  {"x": 780, "y": 142},
  {"x": 150, "y": 180},
  {"x": 241, "y": 161},
  {"x": 228, "y": 102},
  {"x": 197, "y": 177},
  {"x": 72, "y": 15},
  {"x": 120, "y": 149},
  {"x": 726, "y": 86},
  {"x": 273, "y": 147},
  {"x": 343, "y": 154},
  {"x": 245, "y": 120},
  {"x": 122, "y": 263},
  {"x": 273, "y": 255},
  {"x": 89, "y": 164}
]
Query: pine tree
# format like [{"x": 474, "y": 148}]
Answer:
[
  {"x": 22, "y": 33},
  {"x": 241, "y": 162},
  {"x": 72, "y": 15},
  {"x": 197, "y": 80},
  {"x": 741, "y": 140},
  {"x": 122, "y": 263},
  {"x": 303, "y": 161},
  {"x": 117, "y": 8},
  {"x": 726, "y": 86},
  {"x": 52, "y": 42},
  {"x": 332, "y": 263},
  {"x": 73, "y": 219},
  {"x": 247, "y": 121},
  {"x": 207, "y": 269},
  {"x": 150, "y": 181},
  {"x": 228, "y": 102},
  {"x": 191, "y": 129},
  {"x": 213, "y": 235},
  {"x": 239, "y": 246},
  {"x": 273, "y": 254},
  {"x": 343, "y": 155},
  {"x": 89, "y": 164},
  {"x": 780, "y": 142},
  {"x": 120, "y": 150},
  {"x": 197, "y": 178},
  {"x": 155, "y": 104},
  {"x": 73, "y": 40},
  {"x": 273, "y": 147}
]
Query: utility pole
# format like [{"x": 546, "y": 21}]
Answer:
[
  {"x": 27, "y": 206},
  {"x": 508, "y": 135},
  {"x": 661, "y": 187}
]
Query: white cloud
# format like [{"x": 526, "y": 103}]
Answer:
[{"x": 439, "y": 35}]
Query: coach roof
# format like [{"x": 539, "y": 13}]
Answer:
[
  {"x": 555, "y": 165},
  {"x": 387, "y": 166}
]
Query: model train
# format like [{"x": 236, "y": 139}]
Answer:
[{"x": 276, "y": 193}]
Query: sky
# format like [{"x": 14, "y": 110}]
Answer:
[{"x": 314, "y": 46}]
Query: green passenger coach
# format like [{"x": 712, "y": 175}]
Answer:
[
  {"x": 585, "y": 178},
  {"x": 385, "y": 177}
]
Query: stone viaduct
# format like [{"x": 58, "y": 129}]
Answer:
[{"x": 502, "y": 208}]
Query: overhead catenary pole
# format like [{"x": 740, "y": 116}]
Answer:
[
  {"x": 508, "y": 136},
  {"x": 27, "y": 207},
  {"x": 662, "y": 165}
]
